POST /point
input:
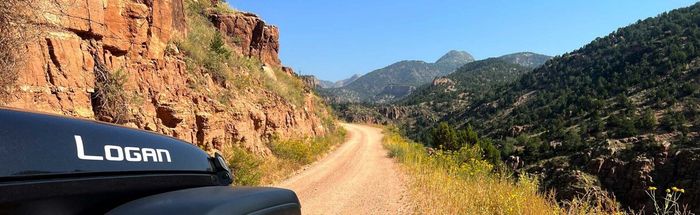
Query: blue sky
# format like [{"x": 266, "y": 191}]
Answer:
[{"x": 335, "y": 39}]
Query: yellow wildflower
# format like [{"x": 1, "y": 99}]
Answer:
[
  {"x": 668, "y": 191},
  {"x": 675, "y": 189},
  {"x": 682, "y": 190},
  {"x": 652, "y": 188}
]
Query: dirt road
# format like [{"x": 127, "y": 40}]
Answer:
[{"x": 357, "y": 178}]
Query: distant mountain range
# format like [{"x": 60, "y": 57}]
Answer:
[
  {"x": 401, "y": 79},
  {"x": 341, "y": 83},
  {"x": 396, "y": 80}
]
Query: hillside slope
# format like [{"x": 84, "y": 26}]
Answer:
[
  {"x": 199, "y": 72},
  {"x": 467, "y": 81},
  {"x": 526, "y": 59},
  {"x": 621, "y": 113},
  {"x": 454, "y": 92}
]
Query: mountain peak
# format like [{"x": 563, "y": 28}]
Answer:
[
  {"x": 455, "y": 57},
  {"x": 527, "y": 59}
]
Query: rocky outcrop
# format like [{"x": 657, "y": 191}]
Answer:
[
  {"x": 310, "y": 81},
  {"x": 251, "y": 36},
  {"x": 124, "y": 35},
  {"x": 625, "y": 170},
  {"x": 136, "y": 38},
  {"x": 629, "y": 179},
  {"x": 445, "y": 82}
]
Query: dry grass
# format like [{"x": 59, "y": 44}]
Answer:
[
  {"x": 590, "y": 202},
  {"x": 288, "y": 157},
  {"x": 464, "y": 183},
  {"x": 289, "y": 87},
  {"x": 211, "y": 55}
]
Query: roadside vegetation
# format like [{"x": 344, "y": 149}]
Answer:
[
  {"x": 288, "y": 156},
  {"x": 210, "y": 56},
  {"x": 463, "y": 181},
  {"x": 459, "y": 182}
]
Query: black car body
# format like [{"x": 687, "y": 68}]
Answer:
[{"x": 58, "y": 165}]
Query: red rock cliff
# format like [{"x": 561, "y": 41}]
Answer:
[
  {"x": 136, "y": 37},
  {"x": 251, "y": 35}
]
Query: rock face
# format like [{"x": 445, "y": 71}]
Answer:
[
  {"x": 251, "y": 35},
  {"x": 625, "y": 170},
  {"x": 137, "y": 39}
]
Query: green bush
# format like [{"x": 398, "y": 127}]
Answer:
[
  {"x": 445, "y": 137},
  {"x": 245, "y": 166},
  {"x": 674, "y": 121},
  {"x": 204, "y": 47}
]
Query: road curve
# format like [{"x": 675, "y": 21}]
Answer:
[{"x": 357, "y": 178}]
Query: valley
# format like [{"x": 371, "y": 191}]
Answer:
[
  {"x": 611, "y": 119},
  {"x": 594, "y": 130}
]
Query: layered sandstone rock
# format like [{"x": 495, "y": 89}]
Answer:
[
  {"x": 136, "y": 38},
  {"x": 251, "y": 36}
]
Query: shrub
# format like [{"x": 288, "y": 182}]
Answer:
[
  {"x": 245, "y": 166},
  {"x": 445, "y": 137},
  {"x": 297, "y": 151},
  {"x": 647, "y": 121},
  {"x": 674, "y": 121},
  {"x": 204, "y": 46},
  {"x": 623, "y": 126},
  {"x": 109, "y": 100}
]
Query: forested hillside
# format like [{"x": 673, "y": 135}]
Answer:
[
  {"x": 526, "y": 59},
  {"x": 621, "y": 113},
  {"x": 467, "y": 82}
]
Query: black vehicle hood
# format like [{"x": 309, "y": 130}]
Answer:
[{"x": 44, "y": 145}]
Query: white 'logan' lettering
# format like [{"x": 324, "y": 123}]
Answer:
[{"x": 117, "y": 153}]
